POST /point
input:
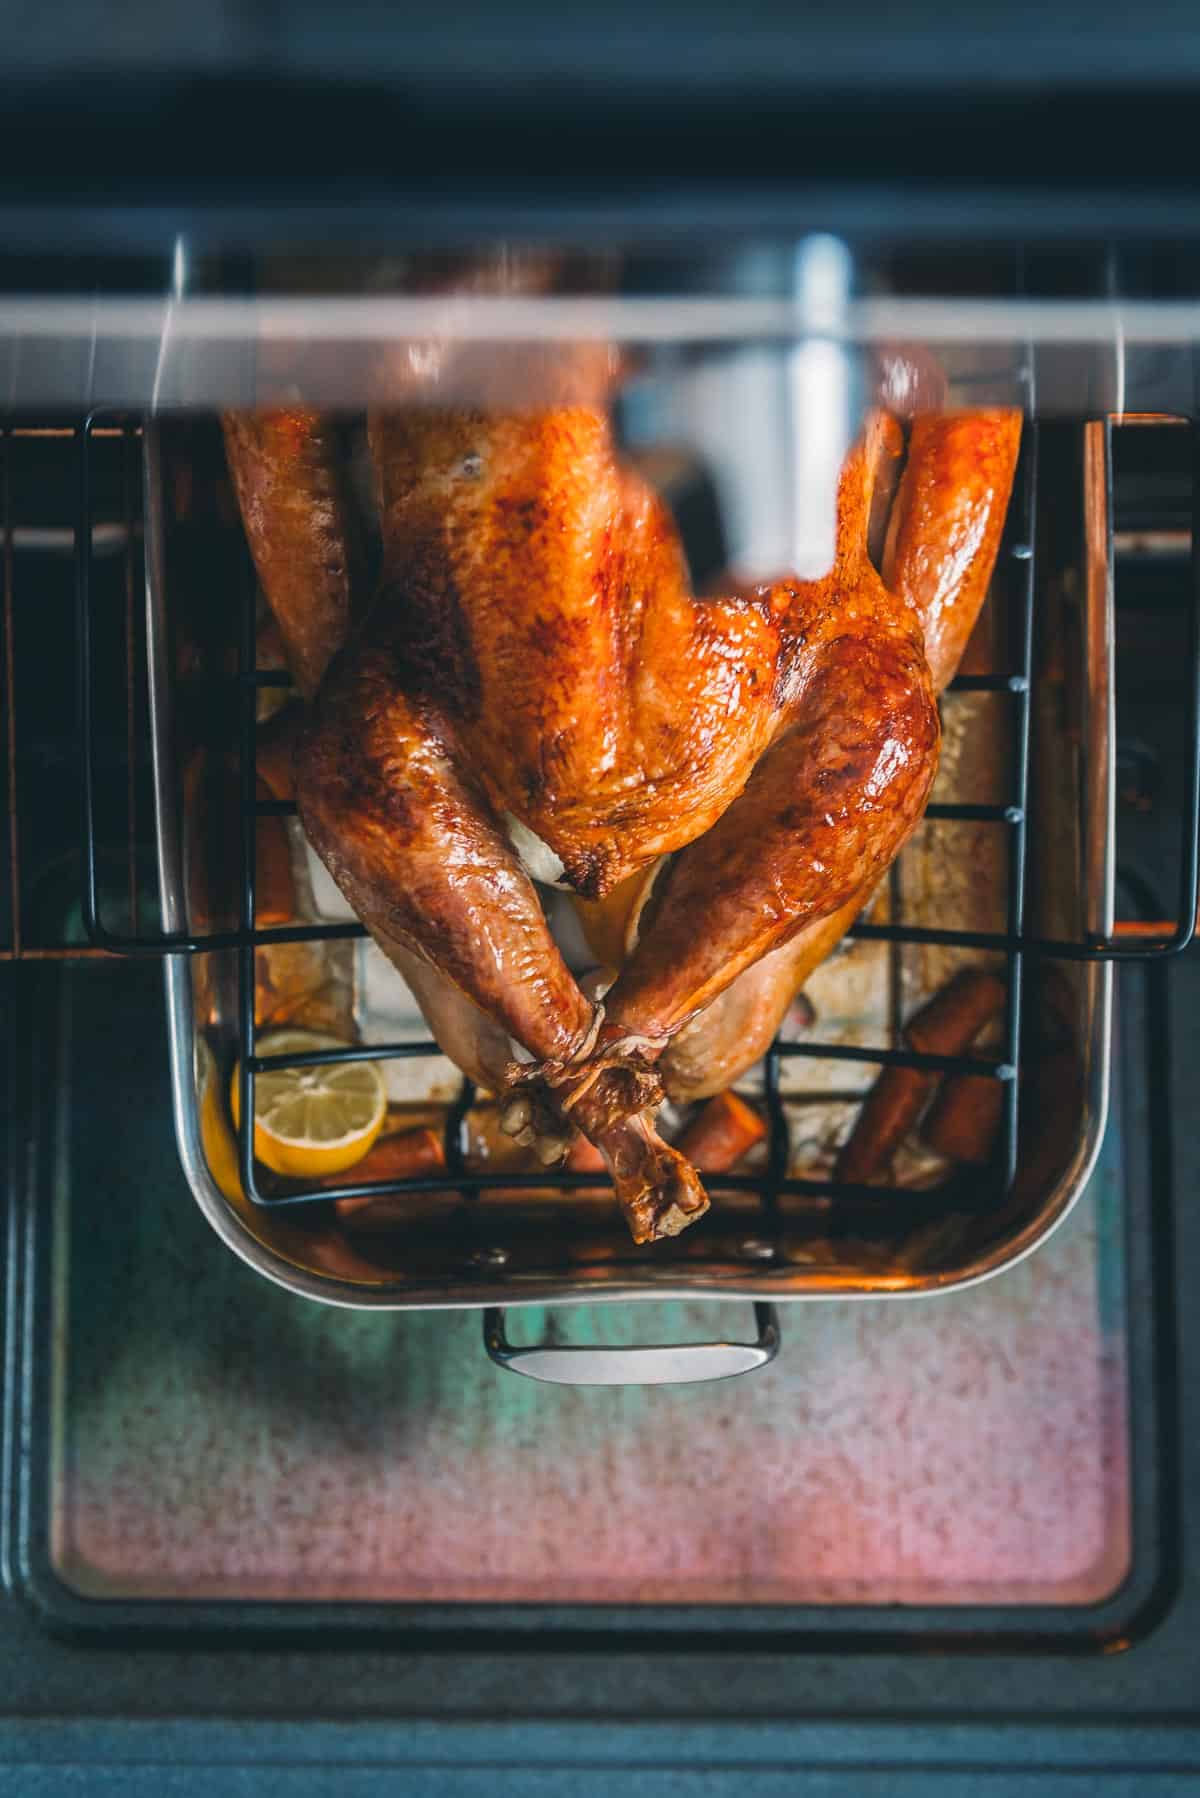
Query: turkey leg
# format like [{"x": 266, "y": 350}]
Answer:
[
  {"x": 939, "y": 555},
  {"x": 411, "y": 839}
]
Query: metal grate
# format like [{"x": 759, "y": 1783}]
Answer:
[
  {"x": 42, "y": 563},
  {"x": 1012, "y": 942}
]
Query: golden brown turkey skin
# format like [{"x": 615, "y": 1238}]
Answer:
[
  {"x": 827, "y": 808},
  {"x": 288, "y": 472},
  {"x": 939, "y": 554},
  {"x": 392, "y": 804},
  {"x": 533, "y": 650},
  {"x": 946, "y": 525},
  {"x": 537, "y": 591}
]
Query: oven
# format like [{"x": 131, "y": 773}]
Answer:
[{"x": 940, "y": 1517}]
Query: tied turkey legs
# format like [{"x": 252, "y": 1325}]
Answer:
[{"x": 533, "y": 654}]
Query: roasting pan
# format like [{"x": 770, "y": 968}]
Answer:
[{"x": 777, "y": 1231}]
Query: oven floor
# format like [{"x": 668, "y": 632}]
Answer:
[{"x": 216, "y": 1437}]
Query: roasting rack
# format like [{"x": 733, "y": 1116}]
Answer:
[{"x": 102, "y": 440}]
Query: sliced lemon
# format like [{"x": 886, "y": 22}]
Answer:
[
  {"x": 313, "y": 1121},
  {"x": 216, "y": 1137}
]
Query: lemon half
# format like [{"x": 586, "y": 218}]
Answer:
[{"x": 313, "y": 1121}]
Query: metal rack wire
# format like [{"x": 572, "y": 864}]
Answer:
[
  {"x": 35, "y": 539},
  {"x": 1013, "y": 943}
]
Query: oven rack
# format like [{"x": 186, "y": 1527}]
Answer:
[{"x": 106, "y": 433}]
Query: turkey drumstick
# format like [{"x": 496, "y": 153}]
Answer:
[{"x": 939, "y": 554}]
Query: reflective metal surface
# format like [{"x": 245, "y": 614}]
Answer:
[
  {"x": 644, "y": 1364},
  {"x": 231, "y": 1443},
  {"x": 190, "y": 352},
  {"x": 537, "y": 1247}
]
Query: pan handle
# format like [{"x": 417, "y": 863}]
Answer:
[{"x": 655, "y": 1364}]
